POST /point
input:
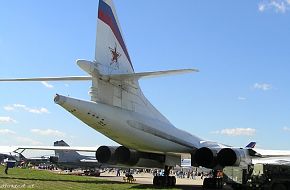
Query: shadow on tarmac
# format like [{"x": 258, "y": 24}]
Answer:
[{"x": 184, "y": 187}]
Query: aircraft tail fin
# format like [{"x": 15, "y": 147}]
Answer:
[
  {"x": 251, "y": 145},
  {"x": 114, "y": 81},
  {"x": 65, "y": 155},
  {"x": 111, "y": 53}
]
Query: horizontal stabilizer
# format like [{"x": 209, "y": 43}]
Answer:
[
  {"x": 131, "y": 76},
  {"x": 136, "y": 76},
  {"x": 69, "y": 78}
]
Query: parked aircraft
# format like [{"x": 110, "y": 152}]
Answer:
[
  {"x": 10, "y": 153},
  {"x": 70, "y": 159},
  {"x": 7, "y": 152},
  {"x": 119, "y": 110}
]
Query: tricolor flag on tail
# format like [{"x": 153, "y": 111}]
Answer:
[{"x": 111, "y": 50}]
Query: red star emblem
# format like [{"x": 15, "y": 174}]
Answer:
[{"x": 115, "y": 54}]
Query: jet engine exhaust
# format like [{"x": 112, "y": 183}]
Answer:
[
  {"x": 227, "y": 157},
  {"x": 126, "y": 156},
  {"x": 105, "y": 154},
  {"x": 205, "y": 157}
]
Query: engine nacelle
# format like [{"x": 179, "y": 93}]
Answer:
[
  {"x": 122, "y": 156},
  {"x": 205, "y": 157},
  {"x": 233, "y": 157},
  {"x": 106, "y": 154},
  {"x": 126, "y": 156}
]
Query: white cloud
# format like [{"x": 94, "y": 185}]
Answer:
[
  {"x": 19, "y": 106},
  {"x": 242, "y": 98},
  {"x": 26, "y": 108},
  {"x": 262, "y": 7},
  {"x": 27, "y": 141},
  {"x": 285, "y": 128},
  {"x": 9, "y": 108},
  {"x": 237, "y": 132},
  {"x": 263, "y": 86},
  {"x": 37, "y": 111},
  {"x": 6, "y": 132},
  {"x": 48, "y": 132},
  {"x": 14, "y": 138},
  {"x": 6, "y": 120},
  {"x": 46, "y": 84},
  {"x": 280, "y": 6}
]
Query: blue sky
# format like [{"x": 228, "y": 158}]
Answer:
[{"x": 242, "y": 49}]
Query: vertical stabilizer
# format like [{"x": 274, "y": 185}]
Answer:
[
  {"x": 251, "y": 145},
  {"x": 111, "y": 53},
  {"x": 111, "y": 58},
  {"x": 66, "y": 156}
]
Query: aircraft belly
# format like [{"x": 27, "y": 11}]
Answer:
[
  {"x": 124, "y": 127},
  {"x": 147, "y": 142},
  {"x": 120, "y": 131}
]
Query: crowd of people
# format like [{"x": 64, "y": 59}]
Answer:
[{"x": 190, "y": 173}]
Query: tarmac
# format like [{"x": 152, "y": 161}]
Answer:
[{"x": 147, "y": 179}]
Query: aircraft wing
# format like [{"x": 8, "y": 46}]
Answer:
[
  {"x": 20, "y": 149},
  {"x": 7, "y": 149},
  {"x": 279, "y": 157},
  {"x": 68, "y": 78},
  {"x": 272, "y": 153},
  {"x": 137, "y": 76},
  {"x": 272, "y": 160}
]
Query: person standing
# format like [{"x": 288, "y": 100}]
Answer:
[
  {"x": 118, "y": 172},
  {"x": 6, "y": 168}
]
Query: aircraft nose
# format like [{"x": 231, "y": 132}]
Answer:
[{"x": 58, "y": 99}]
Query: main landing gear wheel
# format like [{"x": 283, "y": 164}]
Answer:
[
  {"x": 166, "y": 180},
  {"x": 279, "y": 186}
]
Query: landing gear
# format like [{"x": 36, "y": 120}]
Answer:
[
  {"x": 215, "y": 182},
  {"x": 165, "y": 180}
]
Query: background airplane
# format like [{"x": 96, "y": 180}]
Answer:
[
  {"x": 251, "y": 145},
  {"x": 7, "y": 152},
  {"x": 69, "y": 159}
]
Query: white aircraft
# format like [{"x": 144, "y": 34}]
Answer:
[
  {"x": 8, "y": 152},
  {"x": 119, "y": 110}
]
